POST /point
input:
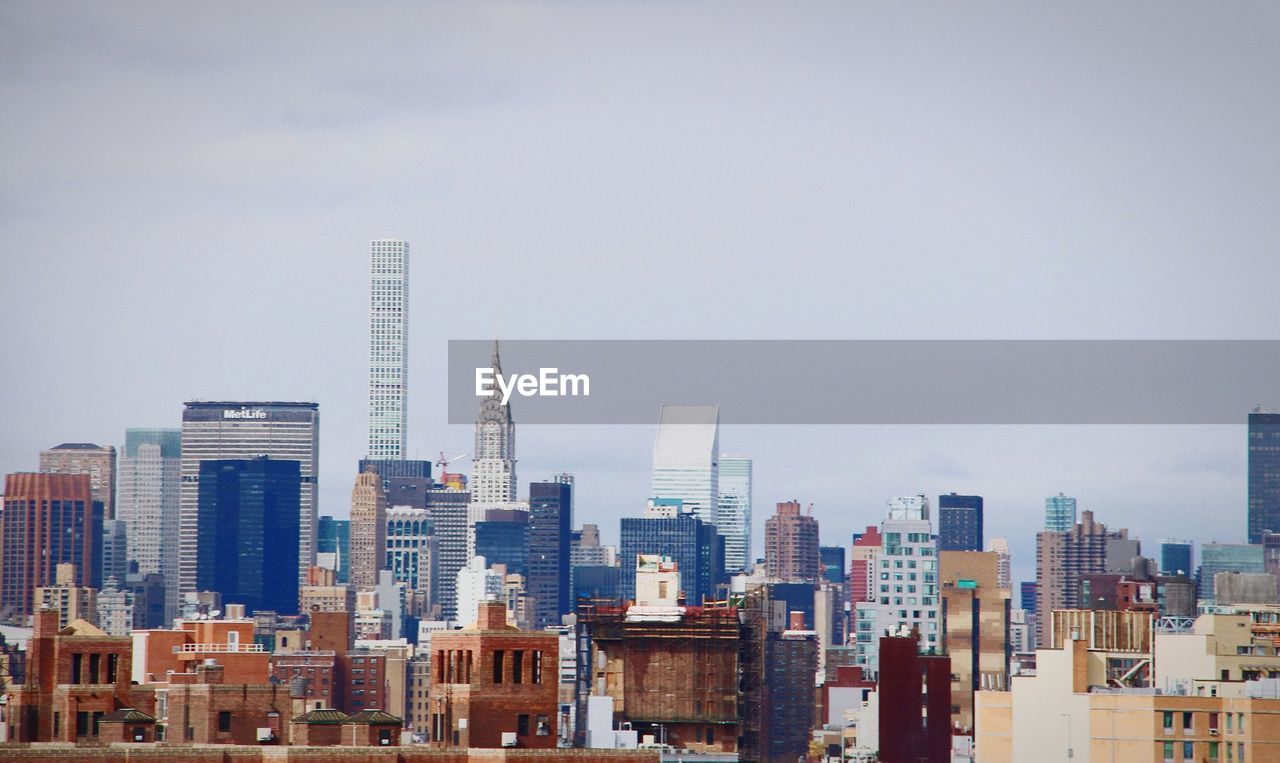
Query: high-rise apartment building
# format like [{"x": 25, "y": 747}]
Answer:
[
  {"x": 1264, "y": 474},
  {"x": 86, "y": 458},
  {"x": 1175, "y": 557},
  {"x": 733, "y": 511},
  {"x": 48, "y": 519},
  {"x": 1062, "y": 557},
  {"x": 245, "y": 507},
  {"x": 447, "y": 509},
  {"x": 149, "y": 484},
  {"x": 1004, "y": 562},
  {"x": 862, "y": 564},
  {"x": 1059, "y": 513},
  {"x": 368, "y": 530},
  {"x": 669, "y": 529},
  {"x": 550, "y": 523},
  {"x": 791, "y": 545},
  {"x": 388, "y": 347},
  {"x": 214, "y": 431},
  {"x": 959, "y": 522},
  {"x": 975, "y": 627},
  {"x": 493, "y": 480},
  {"x": 685, "y": 459},
  {"x": 905, "y": 583}
]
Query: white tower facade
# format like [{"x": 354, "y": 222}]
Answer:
[
  {"x": 493, "y": 481},
  {"x": 388, "y": 348},
  {"x": 685, "y": 458},
  {"x": 733, "y": 507}
]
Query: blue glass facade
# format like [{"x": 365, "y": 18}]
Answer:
[
  {"x": 832, "y": 564},
  {"x": 959, "y": 522},
  {"x": 333, "y": 536},
  {"x": 550, "y": 523},
  {"x": 504, "y": 542},
  {"x": 696, "y": 547},
  {"x": 1175, "y": 557}
]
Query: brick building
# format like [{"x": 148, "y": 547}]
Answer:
[
  {"x": 791, "y": 545},
  {"x": 75, "y": 677},
  {"x": 201, "y": 708},
  {"x": 160, "y": 651},
  {"x": 494, "y": 684},
  {"x": 915, "y": 702}
]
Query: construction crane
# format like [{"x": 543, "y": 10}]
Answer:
[{"x": 443, "y": 463}]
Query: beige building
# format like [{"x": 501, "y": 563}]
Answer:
[
  {"x": 1062, "y": 557},
  {"x": 72, "y": 601},
  {"x": 975, "y": 627},
  {"x": 86, "y": 458},
  {"x": 368, "y": 530}
]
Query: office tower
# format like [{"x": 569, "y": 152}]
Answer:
[
  {"x": 906, "y": 588},
  {"x": 684, "y": 459},
  {"x": 86, "y": 458},
  {"x": 670, "y": 529},
  {"x": 1175, "y": 557},
  {"x": 550, "y": 523},
  {"x": 831, "y": 562},
  {"x": 147, "y": 502},
  {"x": 1027, "y": 595},
  {"x": 1062, "y": 557},
  {"x": 959, "y": 522},
  {"x": 388, "y": 347},
  {"x": 333, "y": 536},
  {"x": 494, "y": 478},
  {"x": 368, "y": 530},
  {"x": 214, "y": 431},
  {"x": 48, "y": 519},
  {"x": 503, "y": 538},
  {"x": 975, "y": 627},
  {"x": 1226, "y": 557},
  {"x": 567, "y": 478},
  {"x": 1059, "y": 513},
  {"x": 476, "y": 583},
  {"x": 1264, "y": 474},
  {"x": 862, "y": 564},
  {"x": 447, "y": 509},
  {"x": 411, "y": 549},
  {"x": 405, "y": 481},
  {"x": 1004, "y": 562},
  {"x": 248, "y": 514},
  {"x": 733, "y": 511},
  {"x": 791, "y": 545},
  {"x": 114, "y": 553}
]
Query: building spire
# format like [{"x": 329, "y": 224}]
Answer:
[{"x": 496, "y": 362}]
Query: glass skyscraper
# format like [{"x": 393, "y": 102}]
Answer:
[
  {"x": 733, "y": 511},
  {"x": 959, "y": 522},
  {"x": 388, "y": 347},
  {"x": 333, "y": 536},
  {"x": 685, "y": 465},
  {"x": 147, "y": 492},
  {"x": 1175, "y": 557},
  {"x": 696, "y": 547},
  {"x": 1264, "y": 474},
  {"x": 1059, "y": 513},
  {"x": 550, "y": 522}
]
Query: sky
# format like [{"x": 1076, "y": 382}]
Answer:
[{"x": 187, "y": 193}]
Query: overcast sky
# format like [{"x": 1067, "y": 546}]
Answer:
[{"x": 187, "y": 193}]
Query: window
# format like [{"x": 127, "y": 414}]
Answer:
[
  {"x": 711, "y": 735},
  {"x": 522, "y": 724},
  {"x": 537, "y": 667},
  {"x": 1168, "y": 752},
  {"x": 224, "y": 720},
  {"x": 76, "y": 661},
  {"x": 1213, "y": 722},
  {"x": 517, "y": 666},
  {"x": 1213, "y": 751},
  {"x": 1188, "y": 751},
  {"x": 497, "y": 666},
  {"x": 1168, "y": 726},
  {"x": 543, "y": 726},
  {"x": 112, "y": 660},
  {"x": 1186, "y": 722}
]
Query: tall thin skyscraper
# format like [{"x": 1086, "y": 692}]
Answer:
[
  {"x": 147, "y": 502},
  {"x": 48, "y": 519},
  {"x": 215, "y": 431},
  {"x": 447, "y": 509},
  {"x": 791, "y": 545},
  {"x": 685, "y": 453},
  {"x": 368, "y": 530},
  {"x": 388, "y": 347},
  {"x": 1059, "y": 513},
  {"x": 550, "y": 522},
  {"x": 494, "y": 477},
  {"x": 733, "y": 507},
  {"x": 86, "y": 458},
  {"x": 1264, "y": 474},
  {"x": 959, "y": 522}
]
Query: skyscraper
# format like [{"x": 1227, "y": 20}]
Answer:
[
  {"x": 147, "y": 502},
  {"x": 550, "y": 522},
  {"x": 411, "y": 550},
  {"x": 333, "y": 536},
  {"x": 1004, "y": 562},
  {"x": 733, "y": 509},
  {"x": 1059, "y": 513},
  {"x": 1062, "y": 557},
  {"x": 959, "y": 522},
  {"x": 503, "y": 538},
  {"x": 685, "y": 465},
  {"x": 494, "y": 476},
  {"x": 1175, "y": 557},
  {"x": 447, "y": 509},
  {"x": 1264, "y": 474},
  {"x": 669, "y": 529},
  {"x": 388, "y": 347},
  {"x": 245, "y": 505},
  {"x": 86, "y": 458},
  {"x": 368, "y": 530},
  {"x": 213, "y": 431},
  {"x": 48, "y": 519},
  {"x": 791, "y": 545}
]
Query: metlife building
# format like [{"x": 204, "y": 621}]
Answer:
[{"x": 245, "y": 430}]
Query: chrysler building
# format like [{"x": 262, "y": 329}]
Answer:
[{"x": 494, "y": 477}]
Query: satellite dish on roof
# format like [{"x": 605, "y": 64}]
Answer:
[{"x": 214, "y": 614}]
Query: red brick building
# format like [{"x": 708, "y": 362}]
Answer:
[
  {"x": 915, "y": 702},
  {"x": 199, "y": 708},
  {"x": 492, "y": 680},
  {"x": 48, "y": 519},
  {"x": 329, "y": 673},
  {"x": 76, "y": 676}
]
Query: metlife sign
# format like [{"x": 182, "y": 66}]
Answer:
[{"x": 244, "y": 413}]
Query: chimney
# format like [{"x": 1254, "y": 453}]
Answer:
[
  {"x": 209, "y": 672},
  {"x": 492, "y": 616},
  {"x": 46, "y": 623}
]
